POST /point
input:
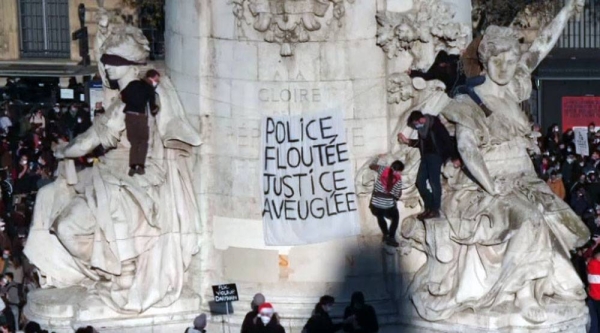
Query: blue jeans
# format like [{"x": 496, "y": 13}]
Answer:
[
  {"x": 469, "y": 88},
  {"x": 593, "y": 309},
  {"x": 430, "y": 170}
]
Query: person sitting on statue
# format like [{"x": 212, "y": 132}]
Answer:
[
  {"x": 386, "y": 192},
  {"x": 138, "y": 96},
  {"x": 472, "y": 69},
  {"x": 436, "y": 147}
]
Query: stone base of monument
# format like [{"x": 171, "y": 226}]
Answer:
[
  {"x": 64, "y": 310},
  {"x": 561, "y": 318}
]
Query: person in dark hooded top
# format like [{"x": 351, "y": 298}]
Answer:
[
  {"x": 362, "y": 316},
  {"x": 320, "y": 321}
]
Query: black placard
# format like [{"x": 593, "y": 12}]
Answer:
[{"x": 225, "y": 293}]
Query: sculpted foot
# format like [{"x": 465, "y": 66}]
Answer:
[
  {"x": 534, "y": 313},
  {"x": 531, "y": 310}
]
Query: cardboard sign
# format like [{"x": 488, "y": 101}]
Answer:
[{"x": 225, "y": 293}]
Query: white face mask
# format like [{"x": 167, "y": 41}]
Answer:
[
  {"x": 24, "y": 162},
  {"x": 5, "y": 255},
  {"x": 418, "y": 126},
  {"x": 265, "y": 319}
]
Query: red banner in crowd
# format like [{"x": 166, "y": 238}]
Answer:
[{"x": 580, "y": 111}]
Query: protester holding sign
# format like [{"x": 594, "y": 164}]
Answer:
[{"x": 387, "y": 191}]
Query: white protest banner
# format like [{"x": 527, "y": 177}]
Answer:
[
  {"x": 307, "y": 185},
  {"x": 581, "y": 141}
]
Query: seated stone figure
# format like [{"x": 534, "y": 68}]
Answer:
[
  {"x": 127, "y": 239},
  {"x": 507, "y": 236}
]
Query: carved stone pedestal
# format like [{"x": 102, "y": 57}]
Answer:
[
  {"x": 64, "y": 310},
  {"x": 561, "y": 318}
]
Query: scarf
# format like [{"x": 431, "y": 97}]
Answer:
[{"x": 385, "y": 176}]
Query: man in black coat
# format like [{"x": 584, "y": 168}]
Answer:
[
  {"x": 249, "y": 320},
  {"x": 362, "y": 316},
  {"x": 436, "y": 147}
]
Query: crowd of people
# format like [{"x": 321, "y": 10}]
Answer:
[
  {"x": 358, "y": 317},
  {"x": 573, "y": 176},
  {"x": 28, "y": 135}
]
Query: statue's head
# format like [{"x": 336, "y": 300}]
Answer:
[
  {"x": 499, "y": 53},
  {"x": 401, "y": 84},
  {"x": 123, "y": 52}
]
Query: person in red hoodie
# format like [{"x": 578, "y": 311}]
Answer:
[{"x": 593, "y": 271}]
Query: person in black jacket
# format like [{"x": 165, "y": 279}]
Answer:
[
  {"x": 249, "y": 320},
  {"x": 267, "y": 320},
  {"x": 138, "y": 96},
  {"x": 360, "y": 317},
  {"x": 436, "y": 147},
  {"x": 320, "y": 321}
]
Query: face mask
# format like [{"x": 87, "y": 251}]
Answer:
[
  {"x": 23, "y": 162},
  {"x": 569, "y": 150},
  {"x": 419, "y": 126},
  {"x": 265, "y": 319},
  {"x": 154, "y": 84},
  {"x": 556, "y": 130},
  {"x": 553, "y": 158},
  {"x": 5, "y": 256},
  {"x": 2, "y": 228},
  {"x": 327, "y": 308}
]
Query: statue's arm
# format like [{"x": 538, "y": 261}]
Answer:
[
  {"x": 548, "y": 37},
  {"x": 472, "y": 158},
  {"x": 81, "y": 145}
]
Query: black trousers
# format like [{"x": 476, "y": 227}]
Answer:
[
  {"x": 138, "y": 134},
  {"x": 390, "y": 213}
]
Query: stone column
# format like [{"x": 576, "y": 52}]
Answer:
[
  {"x": 228, "y": 77},
  {"x": 9, "y": 30}
]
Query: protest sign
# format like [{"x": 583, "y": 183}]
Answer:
[
  {"x": 225, "y": 293},
  {"x": 307, "y": 185},
  {"x": 581, "y": 141}
]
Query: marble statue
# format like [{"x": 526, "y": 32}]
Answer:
[
  {"x": 128, "y": 240},
  {"x": 504, "y": 239},
  {"x": 422, "y": 32}
]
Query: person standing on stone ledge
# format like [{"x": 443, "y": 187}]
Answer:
[
  {"x": 138, "y": 96},
  {"x": 436, "y": 147},
  {"x": 386, "y": 192},
  {"x": 248, "y": 324}
]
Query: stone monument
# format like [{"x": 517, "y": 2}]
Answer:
[
  {"x": 498, "y": 259},
  {"x": 231, "y": 64},
  {"x": 109, "y": 246}
]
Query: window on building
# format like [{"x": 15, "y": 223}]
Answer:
[
  {"x": 44, "y": 28},
  {"x": 151, "y": 18},
  {"x": 583, "y": 33}
]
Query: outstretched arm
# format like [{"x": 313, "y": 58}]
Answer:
[{"x": 544, "y": 43}]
